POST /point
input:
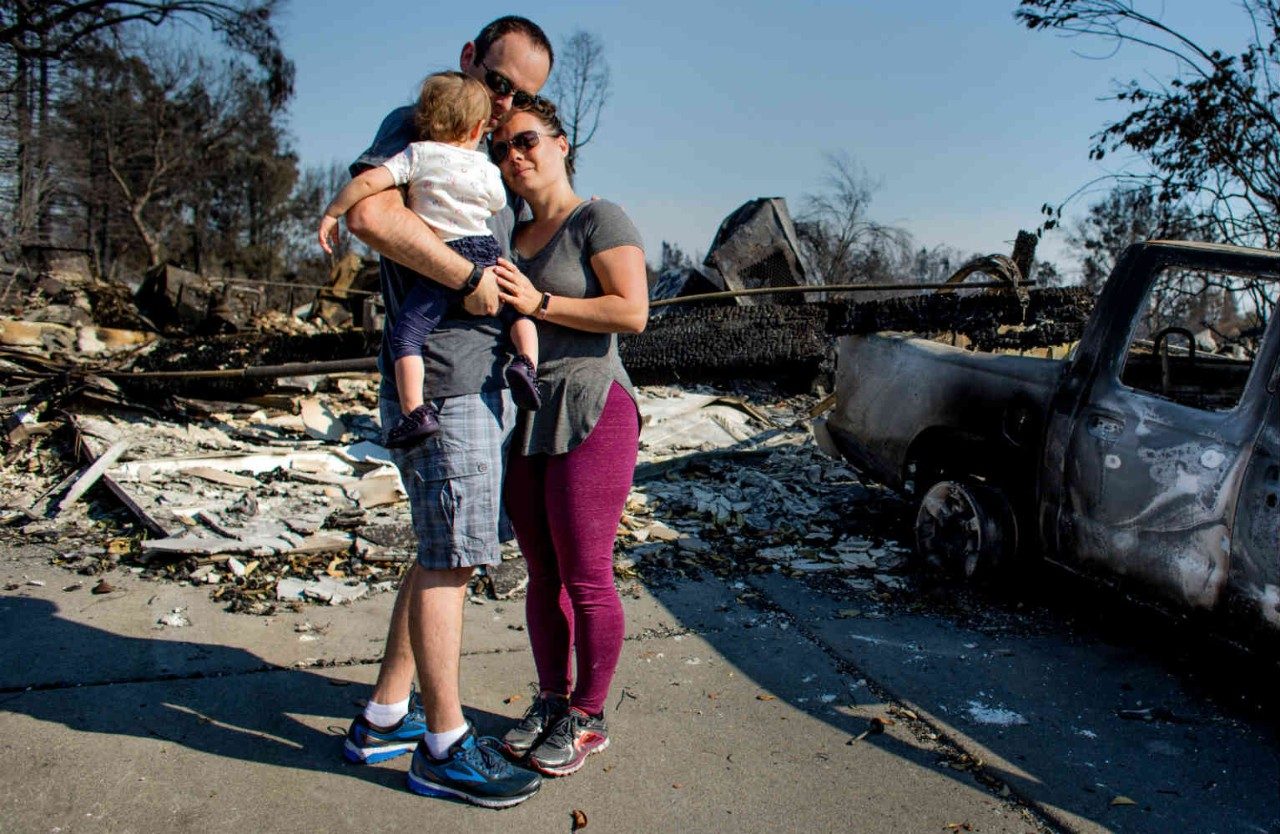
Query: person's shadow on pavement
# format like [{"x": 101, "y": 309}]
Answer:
[{"x": 232, "y": 704}]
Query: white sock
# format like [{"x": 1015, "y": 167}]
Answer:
[
  {"x": 439, "y": 743},
  {"x": 386, "y": 715}
]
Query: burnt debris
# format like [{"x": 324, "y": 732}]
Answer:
[{"x": 223, "y": 432}]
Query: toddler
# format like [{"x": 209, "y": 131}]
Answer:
[{"x": 455, "y": 189}]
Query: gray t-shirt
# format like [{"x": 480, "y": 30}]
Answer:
[
  {"x": 575, "y": 368},
  {"x": 465, "y": 354}
]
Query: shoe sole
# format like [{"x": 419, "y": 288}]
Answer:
[
  {"x": 423, "y": 787},
  {"x": 512, "y": 753},
  {"x": 573, "y": 766},
  {"x": 372, "y": 755},
  {"x": 526, "y": 396},
  {"x": 412, "y": 440}
]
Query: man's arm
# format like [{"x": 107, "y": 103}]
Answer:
[{"x": 390, "y": 228}]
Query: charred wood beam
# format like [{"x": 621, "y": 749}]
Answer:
[
  {"x": 792, "y": 343},
  {"x": 1067, "y": 306},
  {"x": 718, "y": 344}
]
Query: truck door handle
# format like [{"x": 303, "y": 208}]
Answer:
[{"x": 1105, "y": 427}]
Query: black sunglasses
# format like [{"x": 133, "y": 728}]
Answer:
[
  {"x": 522, "y": 141},
  {"x": 502, "y": 87}
]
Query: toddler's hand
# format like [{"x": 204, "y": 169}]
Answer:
[{"x": 328, "y": 233}]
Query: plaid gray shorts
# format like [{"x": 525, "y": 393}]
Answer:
[{"x": 454, "y": 479}]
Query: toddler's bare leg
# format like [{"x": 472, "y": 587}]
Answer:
[
  {"x": 409, "y": 379},
  {"x": 524, "y": 336}
]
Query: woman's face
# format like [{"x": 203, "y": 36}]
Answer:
[{"x": 530, "y": 169}]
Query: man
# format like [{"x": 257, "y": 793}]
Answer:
[{"x": 454, "y": 479}]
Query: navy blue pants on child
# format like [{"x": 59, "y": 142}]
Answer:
[{"x": 426, "y": 303}]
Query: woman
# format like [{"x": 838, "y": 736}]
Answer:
[{"x": 580, "y": 273}]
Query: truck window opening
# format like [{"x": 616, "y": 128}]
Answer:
[{"x": 1196, "y": 336}]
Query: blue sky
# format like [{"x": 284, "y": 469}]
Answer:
[{"x": 968, "y": 121}]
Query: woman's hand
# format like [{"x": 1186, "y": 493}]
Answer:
[{"x": 515, "y": 289}]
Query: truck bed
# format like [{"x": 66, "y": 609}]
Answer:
[{"x": 891, "y": 389}]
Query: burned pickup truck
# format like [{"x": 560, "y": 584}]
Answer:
[{"x": 1149, "y": 454}]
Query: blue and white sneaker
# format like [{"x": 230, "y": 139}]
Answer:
[
  {"x": 365, "y": 745},
  {"x": 473, "y": 770}
]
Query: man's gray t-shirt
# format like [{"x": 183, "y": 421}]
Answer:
[
  {"x": 576, "y": 369},
  {"x": 465, "y": 354}
]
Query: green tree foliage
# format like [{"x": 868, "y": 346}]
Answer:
[
  {"x": 54, "y": 30},
  {"x": 315, "y": 187},
  {"x": 166, "y": 157},
  {"x": 44, "y": 43},
  {"x": 1211, "y": 133},
  {"x": 248, "y": 190}
]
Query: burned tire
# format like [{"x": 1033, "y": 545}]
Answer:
[{"x": 965, "y": 528}]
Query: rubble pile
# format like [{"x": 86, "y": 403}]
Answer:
[
  {"x": 275, "y": 321},
  {"x": 269, "y": 503},
  {"x": 755, "y": 247},
  {"x": 735, "y": 486},
  {"x": 234, "y": 351},
  {"x": 83, "y": 322},
  {"x": 186, "y": 303},
  {"x": 162, "y": 455},
  {"x": 288, "y": 500}
]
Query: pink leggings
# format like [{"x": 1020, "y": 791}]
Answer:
[{"x": 565, "y": 510}]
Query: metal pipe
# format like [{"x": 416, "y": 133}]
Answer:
[
  {"x": 335, "y": 366},
  {"x": 266, "y": 283},
  {"x": 712, "y": 296}
]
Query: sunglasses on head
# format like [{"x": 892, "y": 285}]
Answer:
[
  {"x": 523, "y": 141},
  {"x": 502, "y": 87}
]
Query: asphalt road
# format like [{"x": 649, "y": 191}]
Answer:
[{"x": 738, "y": 705}]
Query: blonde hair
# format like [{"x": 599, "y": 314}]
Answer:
[{"x": 449, "y": 105}]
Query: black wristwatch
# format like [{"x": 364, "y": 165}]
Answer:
[{"x": 473, "y": 280}]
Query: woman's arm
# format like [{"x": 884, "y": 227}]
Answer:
[{"x": 623, "y": 306}]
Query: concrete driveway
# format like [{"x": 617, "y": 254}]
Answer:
[{"x": 737, "y": 706}]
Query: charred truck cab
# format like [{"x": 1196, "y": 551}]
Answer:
[{"x": 1150, "y": 453}]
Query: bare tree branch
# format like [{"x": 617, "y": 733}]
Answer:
[
  {"x": 839, "y": 239},
  {"x": 580, "y": 87}
]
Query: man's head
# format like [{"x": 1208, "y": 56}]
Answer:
[{"x": 512, "y": 58}]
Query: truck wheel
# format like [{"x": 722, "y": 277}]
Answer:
[{"x": 965, "y": 528}]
